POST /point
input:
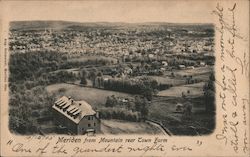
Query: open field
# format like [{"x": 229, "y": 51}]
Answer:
[
  {"x": 195, "y": 71},
  {"x": 86, "y": 58},
  {"x": 194, "y": 90},
  {"x": 113, "y": 127},
  {"x": 163, "y": 110},
  {"x": 73, "y": 70},
  {"x": 93, "y": 96},
  {"x": 125, "y": 127},
  {"x": 168, "y": 80}
]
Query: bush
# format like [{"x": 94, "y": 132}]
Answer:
[
  {"x": 22, "y": 115},
  {"x": 119, "y": 113}
]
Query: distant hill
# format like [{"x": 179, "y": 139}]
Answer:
[
  {"x": 37, "y": 25},
  {"x": 59, "y": 25}
]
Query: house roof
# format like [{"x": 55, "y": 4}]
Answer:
[{"x": 73, "y": 110}]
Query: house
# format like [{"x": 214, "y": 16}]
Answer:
[
  {"x": 77, "y": 116},
  {"x": 128, "y": 70},
  {"x": 181, "y": 66},
  {"x": 202, "y": 63},
  {"x": 164, "y": 63}
]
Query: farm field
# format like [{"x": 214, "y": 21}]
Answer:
[
  {"x": 194, "y": 72},
  {"x": 194, "y": 90},
  {"x": 86, "y": 58},
  {"x": 93, "y": 96},
  {"x": 113, "y": 127},
  {"x": 163, "y": 109},
  {"x": 125, "y": 127},
  {"x": 168, "y": 80},
  {"x": 73, "y": 70}
]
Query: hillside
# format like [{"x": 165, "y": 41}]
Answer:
[{"x": 58, "y": 25}]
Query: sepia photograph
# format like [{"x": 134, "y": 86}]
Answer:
[
  {"x": 111, "y": 78},
  {"x": 124, "y": 78}
]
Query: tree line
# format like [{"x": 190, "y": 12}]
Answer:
[
  {"x": 26, "y": 106},
  {"x": 135, "y": 109},
  {"x": 31, "y": 65}
]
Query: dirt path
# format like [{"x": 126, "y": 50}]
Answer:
[{"x": 164, "y": 130}]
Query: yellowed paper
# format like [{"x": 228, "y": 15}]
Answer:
[{"x": 124, "y": 78}]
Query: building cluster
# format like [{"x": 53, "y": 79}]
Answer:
[{"x": 109, "y": 42}]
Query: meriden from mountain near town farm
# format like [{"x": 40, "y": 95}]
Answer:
[{"x": 153, "y": 78}]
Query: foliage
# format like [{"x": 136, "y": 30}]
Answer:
[
  {"x": 83, "y": 77},
  {"x": 23, "y": 105},
  {"x": 139, "y": 105},
  {"x": 209, "y": 96},
  {"x": 28, "y": 66},
  {"x": 119, "y": 113},
  {"x": 145, "y": 86}
]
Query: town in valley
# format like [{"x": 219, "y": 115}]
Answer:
[{"x": 104, "y": 78}]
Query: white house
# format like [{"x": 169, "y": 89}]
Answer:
[{"x": 77, "y": 116}]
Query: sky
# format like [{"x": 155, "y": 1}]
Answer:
[{"x": 112, "y": 11}]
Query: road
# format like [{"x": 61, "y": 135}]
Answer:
[{"x": 164, "y": 130}]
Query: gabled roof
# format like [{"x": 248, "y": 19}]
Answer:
[{"x": 73, "y": 110}]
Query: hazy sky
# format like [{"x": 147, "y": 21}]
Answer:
[{"x": 113, "y": 11}]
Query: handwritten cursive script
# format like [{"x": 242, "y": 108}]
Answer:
[{"x": 232, "y": 64}]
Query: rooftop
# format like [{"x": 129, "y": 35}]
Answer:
[{"x": 73, "y": 110}]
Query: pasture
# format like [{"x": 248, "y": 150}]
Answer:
[
  {"x": 197, "y": 70},
  {"x": 163, "y": 109},
  {"x": 124, "y": 127},
  {"x": 168, "y": 80},
  {"x": 93, "y": 96},
  {"x": 191, "y": 90},
  {"x": 92, "y": 58}
]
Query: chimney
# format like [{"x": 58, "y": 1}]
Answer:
[{"x": 70, "y": 99}]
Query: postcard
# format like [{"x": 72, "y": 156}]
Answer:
[{"x": 124, "y": 78}]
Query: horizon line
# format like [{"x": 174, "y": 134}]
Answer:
[{"x": 111, "y": 22}]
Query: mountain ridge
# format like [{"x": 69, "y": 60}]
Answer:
[{"x": 40, "y": 24}]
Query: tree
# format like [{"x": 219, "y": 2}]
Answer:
[
  {"x": 187, "y": 113},
  {"x": 83, "y": 81},
  {"x": 141, "y": 106},
  {"x": 83, "y": 77},
  {"x": 172, "y": 74},
  {"x": 144, "y": 110},
  {"x": 148, "y": 93},
  {"x": 109, "y": 102},
  {"x": 138, "y": 103},
  {"x": 114, "y": 100},
  {"x": 36, "y": 99},
  {"x": 92, "y": 77},
  {"x": 209, "y": 94},
  {"x": 99, "y": 74},
  {"x": 84, "y": 73}
]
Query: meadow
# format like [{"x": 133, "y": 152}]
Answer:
[
  {"x": 193, "y": 90},
  {"x": 95, "y": 97},
  {"x": 115, "y": 127}
]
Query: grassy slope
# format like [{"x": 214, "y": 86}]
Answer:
[
  {"x": 195, "y": 90},
  {"x": 93, "y": 96},
  {"x": 163, "y": 109},
  {"x": 125, "y": 127}
]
